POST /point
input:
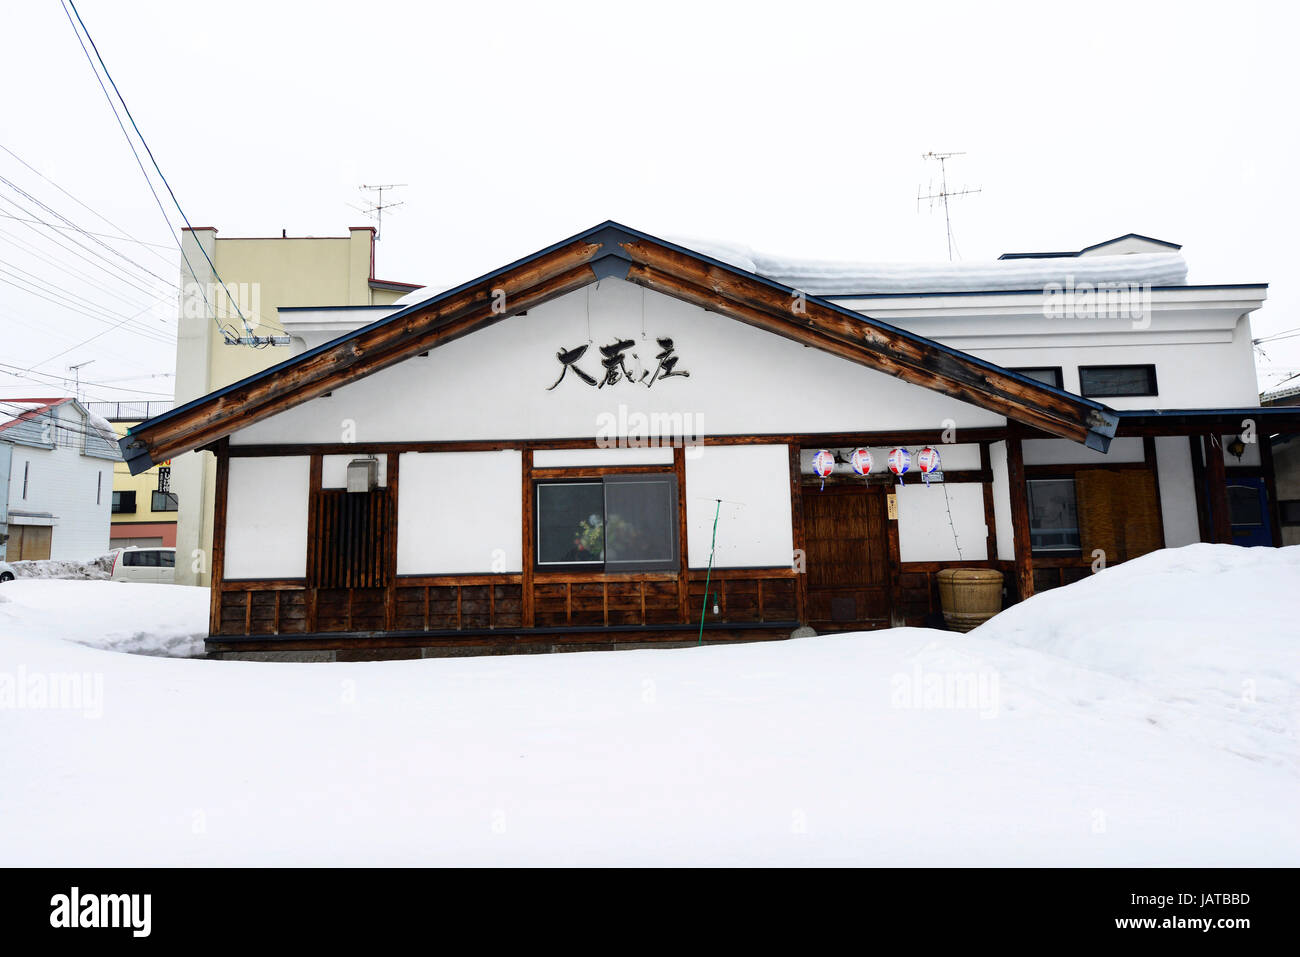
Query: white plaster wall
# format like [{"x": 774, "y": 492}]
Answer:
[
  {"x": 754, "y": 524},
  {"x": 493, "y": 384},
  {"x": 1177, "y": 491},
  {"x": 1002, "y": 500},
  {"x": 925, "y": 533},
  {"x": 63, "y": 482},
  {"x": 567, "y": 458},
  {"x": 266, "y": 517},
  {"x": 460, "y": 513}
]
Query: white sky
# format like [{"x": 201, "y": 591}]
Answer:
[{"x": 795, "y": 128}]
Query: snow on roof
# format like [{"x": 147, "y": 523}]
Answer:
[
  {"x": 13, "y": 411},
  {"x": 844, "y": 278}
]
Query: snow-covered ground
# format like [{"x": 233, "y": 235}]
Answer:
[
  {"x": 1147, "y": 716},
  {"x": 98, "y": 569}
]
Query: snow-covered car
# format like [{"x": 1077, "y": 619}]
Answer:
[
  {"x": 6, "y": 572},
  {"x": 135, "y": 564}
]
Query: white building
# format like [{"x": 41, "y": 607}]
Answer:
[
  {"x": 56, "y": 480},
  {"x": 541, "y": 456}
]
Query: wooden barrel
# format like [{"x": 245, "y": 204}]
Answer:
[{"x": 970, "y": 596}]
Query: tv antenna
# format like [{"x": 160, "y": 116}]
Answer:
[
  {"x": 374, "y": 208},
  {"x": 76, "y": 371},
  {"x": 944, "y": 193}
]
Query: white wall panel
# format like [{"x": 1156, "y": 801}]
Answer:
[
  {"x": 460, "y": 513},
  {"x": 266, "y": 517},
  {"x": 754, "y": 525},
  {"x": 925, "y": 533}
]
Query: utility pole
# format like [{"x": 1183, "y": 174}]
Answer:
[
  {"x": 375, "y": 208},
  {"x": 944, "y": 193},
  {"x": 76, "y": 371}
]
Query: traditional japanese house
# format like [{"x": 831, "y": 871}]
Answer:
[{"x": 614, "y": 441}]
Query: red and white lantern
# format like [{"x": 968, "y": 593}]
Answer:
[
  {"x": 823, "y": 465},
  {"x": 861, "y": 461},
  {"x": 899, "y": 462},
  {"x": 927, "y": 460}
]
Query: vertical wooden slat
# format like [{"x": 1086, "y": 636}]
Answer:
[
  {"x": 641, "y": 589},
  {"x": 1149, "y": 455},
  {"x": 313, "y": 539},
  {"x": 217, "y": 570},
  {"x": 526, "y": 596}
]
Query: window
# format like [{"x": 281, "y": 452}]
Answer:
[
  {"x": 621, "y": 522},
  {"x": 167, "y": 559},
  {"x": 1099, "y": 381},
  {"x": 26, "y": 468},
  {"x": 1048, "y": 375},
  {"x": 1053, "y": 518},
  {"x": 1244, "y": 506},
  {"x": 146, "y": 558},
  {"x": 164, "y": 502},
  {"x": 99, "y": 487},
  {"x": 124, "y": 503},
  {"x": 1290, "y": 509}
]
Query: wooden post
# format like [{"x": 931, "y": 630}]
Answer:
[
  {"x": 389, "y": 562},
  {"x": 683, "y": 554},
  {"x": 990, "y": 515},
  {"x": 218, "y": 567},
  {"x": 1220, "y": 520},
  {"x": 315, "y": 470},
  {"x": 797, "y": 535},
  {"x": 1020, "y": 517},
  {"x": 526, "y": 579}
]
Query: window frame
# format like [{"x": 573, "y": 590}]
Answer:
[
  {"x": 1153, "y": 384},
  {"x": 1039, "y": 551},
  {"x": 117, "y": 505},
  {"x": 153, "y": 501},
  {"x": 1057, "y": 371},
  {"x": 604, "y": 479}
]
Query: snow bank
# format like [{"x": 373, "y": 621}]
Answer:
[
  {"x": 167, "y": 620},
  {"x": 1015, "y": 745},
  {"x": 97, "y": 568}
]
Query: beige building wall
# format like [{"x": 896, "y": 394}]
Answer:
[{"x": 262, "y": 276}]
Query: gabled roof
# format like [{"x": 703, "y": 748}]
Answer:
[
  {"x": 16, "y": 411},
  {"x": 611, "y": 250},
  {"x": 1087, "y": 249}
]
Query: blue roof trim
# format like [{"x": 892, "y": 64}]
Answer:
[
  {"x": 1028, "y": 292},
  {"x": 609, "y": 234},
  {"x": 331, "y": 308}
]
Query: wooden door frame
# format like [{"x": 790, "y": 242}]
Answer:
[{"x": 892, "y": 564}]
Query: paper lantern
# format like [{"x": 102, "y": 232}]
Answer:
[
  {"x": 899, "y": 462},
  {"x": 927, "y": 460},
  {"x": 861, "y": 461},
  {"x": 823, "y": 465}
]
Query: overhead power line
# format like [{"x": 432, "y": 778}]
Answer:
[{"x": 158, "y": 169}]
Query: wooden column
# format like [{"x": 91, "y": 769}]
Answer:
[
  {"x": 526, "y": 579},
  {"x": 314, "y": 472},
  {"x": 797, "y": 535},
  {"x": 990, "y": 515},
  {"x": 1020, "y": 517},
  {"x": 683, "y": 555},
  {"x": 218, "y": 568},
  {"x": 1220, "y": 519},
  {"x": 390, "y": 544}
]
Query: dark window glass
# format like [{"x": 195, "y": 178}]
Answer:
[
  {"x": 570, "y": 523},
  {"x": 164, "y": 502},
  {"x": 619, "y": 523},
  {"x": 1290, "y": 511},
  {"x": 167, "y": 559},
  {"x": 641, "y": 520},
  {"x": 124, "y": 502},
  {"x": 141, "y": 559},
  {"x": 1097, "y": 381},
  {"x": 1053, "y": 520},
  {"x": 1048, "y": 375},
  {"x": 1244, "y": 506}
]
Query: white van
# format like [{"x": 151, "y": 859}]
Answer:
[{"x": 154, "y": 565}]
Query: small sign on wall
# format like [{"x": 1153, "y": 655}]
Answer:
[{"x": 891, "y": 505}]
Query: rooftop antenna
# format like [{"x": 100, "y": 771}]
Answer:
[
  {"x": 76, "y": 371},
  {"x": 374, "y": 208},
  {"x": 944, "y": 193}
]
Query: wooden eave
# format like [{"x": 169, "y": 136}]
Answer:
[{"x": 614, "y": 251}]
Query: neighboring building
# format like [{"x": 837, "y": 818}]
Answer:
[
  {"x": 144, "y": 505},
  {"x": 1286, "y": 461},
  {"x": 469, "y": 472},
  {"x": 262, "y": 275},
  {"x": 56, "y": 480}
]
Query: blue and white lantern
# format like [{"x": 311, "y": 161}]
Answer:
[
  {"x": 823, "y": 465},
  {"x": 861, "y": 461},
  {"x": 900, "y": 460},
  {"x": 927, "y": 460}
]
